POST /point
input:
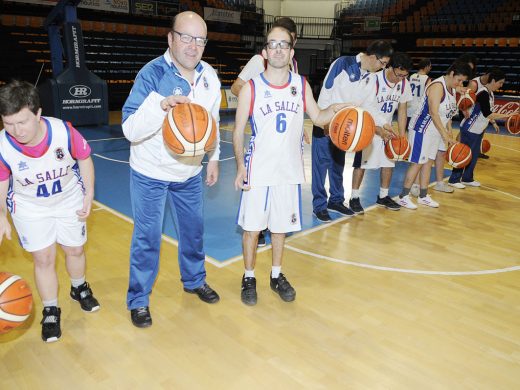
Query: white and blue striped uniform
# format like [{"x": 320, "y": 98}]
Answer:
[
  {"x": 274, "y": 160},
  {"x": 382, "y": 104},
  {"x": 275, "y": 153},
  {"x": 424, "y": 138},
  {"x": 45, "y": 192}
]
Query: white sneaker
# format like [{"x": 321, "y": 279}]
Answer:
[
  {"x": 415, "y": 190},
  {"x": 443, "y": 187},
  {"x": 473, "y": 183},
  {"x": 407, "y": 203},
  {"x": 460, "y": 186},
  {"x": 427, "y": 201}
]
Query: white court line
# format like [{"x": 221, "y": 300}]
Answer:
[
  {"x": 110, "y": 159},
  {"x": 503, "y": 147},
  {"x": 166, "y": 238},
  {"x": 403, "y": 270},
  {"x": 502, "y": 192}
]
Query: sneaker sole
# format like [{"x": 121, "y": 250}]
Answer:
[
  {"x": 95, "y": 308},
  {"x": 388, "y": 208},
  {"x": 285, "y": 299},
  {"x": 146, "y": 325},
  {"x": 203, "y": 300},
  {"x": 321, "y": 220},
  {"x": 447, "y": 191},
  {"x": 51, "y": 339},
  {"x": 248, "y": 303},
  {"x": 261, "y": 245},
  {"x": 429, "y": 205},
  {"x": 339, "y": 212}
]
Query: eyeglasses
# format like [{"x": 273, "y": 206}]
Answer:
[
  {"x": 278, "y": 44},
  {"x": 186, "y": 38},
  {"x": 399, "y": 76},
  {"x": 383, "y": 63}
]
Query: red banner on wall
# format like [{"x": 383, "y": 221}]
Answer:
[{"x": 506, "y": 105}]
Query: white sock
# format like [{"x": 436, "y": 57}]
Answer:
[
  {"x": 249, "y": 273},
  {"x": 275, "y": 271},
  {"x": 52, "y": 302},
  {"x": 355, "y": 194},
  {"x": 77, "y": 282},
  {"x": 383, "y": 192}
]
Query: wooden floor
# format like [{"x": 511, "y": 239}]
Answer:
[{"x": 425, "y": 299}]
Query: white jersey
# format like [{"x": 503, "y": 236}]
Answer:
[
  {"x": 41, "y": 183},
  {"x": 478, "y": 82},
  {"x": 275, "y": 154},
  {"x": 385, "y": 98},
  {"x": 418, "y": 86},
  {"x": 476, "y": 122},
  {"x": 421, "y": 121}
]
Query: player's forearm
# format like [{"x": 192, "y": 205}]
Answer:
[
  {"x": 86, "y": 168},
  {"x": 146, "y": 120},
  {"x": 238, "y": 147}
]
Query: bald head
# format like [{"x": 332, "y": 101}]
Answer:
[{"x": 188, "y": 18}]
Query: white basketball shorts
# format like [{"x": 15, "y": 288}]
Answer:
[{"x": 278, "y": 208}]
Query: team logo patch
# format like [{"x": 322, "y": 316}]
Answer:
[
  {"x": 59, "y": 154},
  {"x": 294, "y": 219},
  {"x": 367, "y": 80},
  {"x": 383, "y": 89},
  {"x": 267, "y": 95},
  {"x": 22, "y": 166},
  {"x": 293, "y": 91},
  {"x": 177, "y": 91},
  {"x": 398, "y": 87},
  {"x": 205, "y": 81},
  {"x": 83, "y": 231}
]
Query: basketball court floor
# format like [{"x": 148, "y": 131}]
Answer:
[{"x": 391, "y": 300}]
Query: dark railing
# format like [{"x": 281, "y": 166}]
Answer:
[{"x": 307, "y": 27}]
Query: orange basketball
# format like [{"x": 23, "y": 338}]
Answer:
[
  {"x": 513, "y": 124},
  {"x": 352, "y": 129},
  {"x": 189, "y": 130},
  {"x": 397, "y": 149},
  {"x": 458, "y": 155},
  {"x": 15, "y": 301},
  {"x": 485, "y": 145},
  {"x": 466, "y": 100}
]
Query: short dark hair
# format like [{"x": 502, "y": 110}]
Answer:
[
  {"x": 281, "y": 28},
  {"x": 16, "y": 95},
  {"x": 424, "y": 63},
  {"x": 400, "y": 60},
  {"x": 495, "y": 73},
  {"x": 380, "y": 49},
  {"x": 468, "y": 58},
  {"x": 286, "y": 23},
  {"x": 460, "y": 68}
]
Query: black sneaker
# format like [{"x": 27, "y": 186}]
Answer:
[
  {"x": 261, "y": 238},
  {"x": 341, "y": 208},
  {"x": 388, "y": 202},
  {"x": 484, "y": 156},
  {"x": 248, "y": 293},
  {"x": 83, "y": 294},
  {"x": 282, "y": 286},
  {"x": 355, "y": 206},
  {"x": 51, "y": 330},
  {"x": 323, "y": 216},
  {"x": 205, "y": 293},
  {"x": 141, "y": 317}
]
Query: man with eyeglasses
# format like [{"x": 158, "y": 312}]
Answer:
[
  {"x": 157, "y": 175},
  {"x": 271, "y": 172},
  {"x": 256, "y": 65},
  {"x": 342, "y": 84},
  {"x": 388, "y": 91}
]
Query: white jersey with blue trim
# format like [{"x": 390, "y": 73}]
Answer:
[
  {"x": 422, "y": 121},
  {"x": 476, "y": 123},
  {"x": 385, "y": 97},
  {"x": 418, "y": 86},
  {"x": 275, "y": 153},
  {"x": 41, "y": 181}
]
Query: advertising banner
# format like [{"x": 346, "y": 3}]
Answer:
[{"x": 221, "y": 15}]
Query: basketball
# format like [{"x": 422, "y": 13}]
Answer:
[
  {"x": 485, "y": 145},
  {"x": 513, "y": 124},
  {"x": 397, "y": 149},
  {"x": 15, "y": 301},
  {"x": 458, "y": 155},
  {"x": 352, "y": 129},
  {"x": 189, "y": 130},
  {"x": 466, "y": 100}
]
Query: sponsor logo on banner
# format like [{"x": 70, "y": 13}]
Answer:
[
  {"x": 232, "y": 100},
  {"x": 104, "y": 5},
  {"x": 80, "y": 91},
  {"x": 506, "y": 105},
  {"x": 221, "y": 15}
]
